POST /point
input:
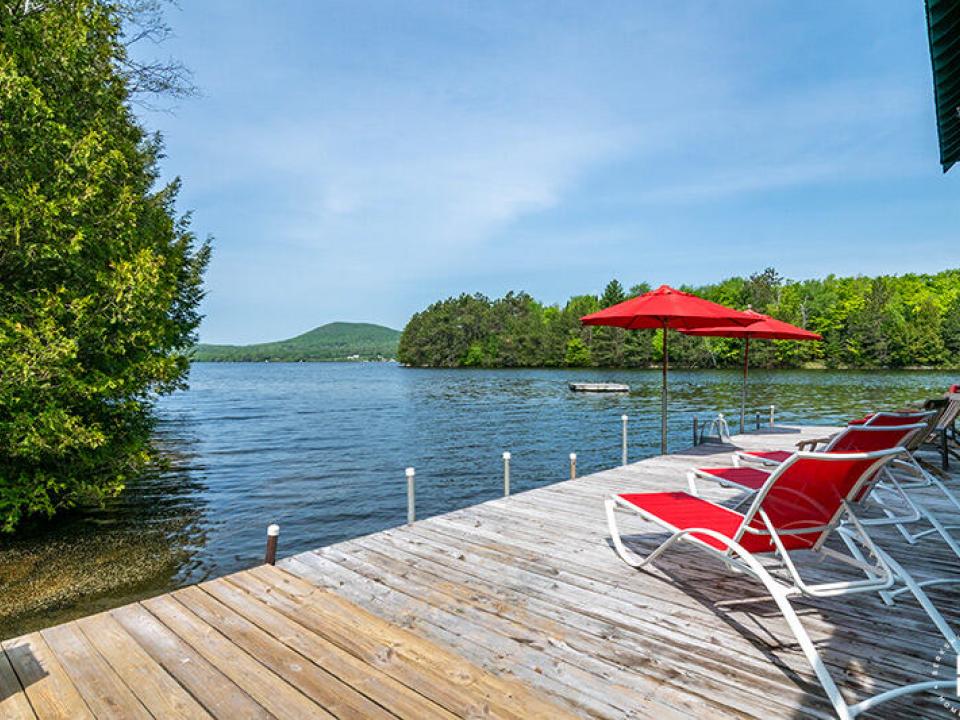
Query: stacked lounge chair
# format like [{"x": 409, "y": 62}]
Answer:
[{"x": 943, "y": 435}]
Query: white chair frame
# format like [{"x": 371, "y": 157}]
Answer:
[{"x": 880, "y": 575}]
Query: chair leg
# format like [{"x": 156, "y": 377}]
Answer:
[
  {"x": 845, "y": 712},
  {"x": 944, "y": 450},
  {"x": 936, "y": 527},
  {"x": 941, "y": 531},
  {"x": 857, "y": 554},
  {"x": 920, "y": 511},
  {"x": 909, "y": 585},
  {"x": 924, "y": 601},
  {"x": 810, "y": 651},
  {"x": 813, "y": 657},
  {"x": 947, "y": 493},
  {"x": 630, "y": 558}
]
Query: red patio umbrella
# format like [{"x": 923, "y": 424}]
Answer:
[
  {"x": 666, "y": 308},
  {"x": 765, "y": 328}
]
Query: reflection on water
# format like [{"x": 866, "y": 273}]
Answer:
[{"x": 321, "y": 449}]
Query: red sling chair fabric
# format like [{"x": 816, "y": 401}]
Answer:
[
  {"x": 879, "y": 419},
  {"x": 854, "y": 438}
]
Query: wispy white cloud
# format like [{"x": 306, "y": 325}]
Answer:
[{"x": 357, "y": 161}]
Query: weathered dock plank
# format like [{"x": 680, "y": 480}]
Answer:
[
  {"x": 13, "y": 701},
  {"x": 515, "y": 608},
  {"x": 324, "y": 688},
  {"x": 160, "y": 694},
  {"x": 261, "y": 643},
  {"x": 102, "y": 690},
  {"x": 48, "y": 688},
  {"x": 373, "y": 682},
  {"x": 214, "y": 690}
]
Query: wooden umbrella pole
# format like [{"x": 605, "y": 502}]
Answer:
[
  {"x": 743, "y": 392},
  {"x": 663, "y": 396}
]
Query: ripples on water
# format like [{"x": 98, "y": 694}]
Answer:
[{"x": 321, "y": 449}]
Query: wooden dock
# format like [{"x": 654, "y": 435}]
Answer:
[{"x": 515, "y": 608}]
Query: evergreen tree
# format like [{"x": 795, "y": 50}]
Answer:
[
  {"x": 100, "y": 278},
  {"x": 613, "y": 294},
  {"x": 762, "y": 290},
  {"x": 608, "y": 343}
]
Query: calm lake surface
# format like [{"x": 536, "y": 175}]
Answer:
[{"x": 320, "y": 448}]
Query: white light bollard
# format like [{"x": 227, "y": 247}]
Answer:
[
  {"x": 773, "y": 411},
  {"x": 506, "y": 474},
  {"x": 624, "y": 419},
  {"x": 411, "y": 495},
  {"x": 573, "y": 466},
  {"x": 273, "y": 533}
]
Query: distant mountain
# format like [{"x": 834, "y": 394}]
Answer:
[{"x": 334, "y": 341}]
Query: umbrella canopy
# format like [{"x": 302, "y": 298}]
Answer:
[
  {"x": 765, "y": 328},
  {"x": 666, "y": 308}
]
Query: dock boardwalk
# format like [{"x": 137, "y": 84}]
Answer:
[{"x": 514, "y": 608}]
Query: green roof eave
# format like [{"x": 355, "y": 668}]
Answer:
[{"x": 943, "y": 28}]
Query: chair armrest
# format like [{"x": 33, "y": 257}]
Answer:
[{"x": 812, "y": 443}]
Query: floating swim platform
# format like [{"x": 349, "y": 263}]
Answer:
[{"x": 599, "y": 387}]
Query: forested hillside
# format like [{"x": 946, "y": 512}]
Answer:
[
  {"x": 333, "y": 341},
  {"x": 883, "y": 322}
]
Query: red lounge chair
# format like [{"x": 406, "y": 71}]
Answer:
[
  {"x": 801, "y": 503},
  {"x": 836, "y": 441},
  {"x": 894, "y": 490},
  {"x": 910, "y": 474},
  {"x": 866, "y": 438},
  {"x": 853, "y": 438}
]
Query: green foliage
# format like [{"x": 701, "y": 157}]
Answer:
[
  {"x": 577, "y": 354},
  {"x": 100, "y": 279},
  {"x": 476, "y": 356},
  {"x": 612, "y": 294},
  {"x": 889, "y": 322},
  {"x": 950, "y": 328},
  {"x": 333, "y": 341}
]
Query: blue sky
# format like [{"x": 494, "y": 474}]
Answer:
[{"x": 358, "y": 160}]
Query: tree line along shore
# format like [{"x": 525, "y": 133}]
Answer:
[{"x": 901, "y": 321}]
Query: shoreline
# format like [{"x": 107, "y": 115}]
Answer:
[{"x": 565, "y": 368}]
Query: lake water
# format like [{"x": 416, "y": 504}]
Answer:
[{"x": 321, "y": 448}]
